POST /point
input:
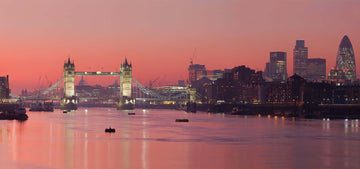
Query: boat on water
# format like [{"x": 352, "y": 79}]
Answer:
[
  {"x": 110, "y": 130},
  {"x": 182, "y": 120},
  {"x": 45, "y": 106}
]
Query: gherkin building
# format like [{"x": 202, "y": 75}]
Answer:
[{"x": 345, "y": 61}]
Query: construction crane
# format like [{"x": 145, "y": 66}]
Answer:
[{"x": 193, "y": 57}]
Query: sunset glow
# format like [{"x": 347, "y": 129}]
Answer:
[{"x": 159, "y": 36}]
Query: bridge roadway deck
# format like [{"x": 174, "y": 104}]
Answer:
[{"x": 98, "y": 73}]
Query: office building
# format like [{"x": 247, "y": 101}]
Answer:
[
  {"x": 278, "y": 70},
  {"x": 300, "y": 58}
]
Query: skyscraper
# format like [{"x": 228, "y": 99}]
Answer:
[
  {"x": 345, "y": 60},
  {"x": 345, "y": 69},
  {"x": 278, "y": 66},
  {"x": 300, "y": 58}
]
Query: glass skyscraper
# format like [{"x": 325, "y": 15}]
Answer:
[{"x": 345, "y": 69}]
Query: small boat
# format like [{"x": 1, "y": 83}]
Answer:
[
  {"x": 131, "y": 113},
  {"x": 182, "y": 120},
  {"x": 64, "y": 111},
  {"x": 110, "y": 130}
]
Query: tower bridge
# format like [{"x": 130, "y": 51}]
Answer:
[
  {"x": 69, "y": 100},
  {"x": 130, "y": 89}
]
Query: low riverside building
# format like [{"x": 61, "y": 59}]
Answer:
[
  {"x": 297, "y": 91},
  {"x": 243, "y": 85},
  {"x": 283, "y": 93},
  {"x": 239, "y": 86}
]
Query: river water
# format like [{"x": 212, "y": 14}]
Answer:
[{"x": 152, "y": 139}]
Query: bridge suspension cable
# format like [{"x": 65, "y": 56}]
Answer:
[
  {"x": 43, "y": 92},
  {"x": 156, "y": 94}
]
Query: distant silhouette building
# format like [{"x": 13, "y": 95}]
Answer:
[
  {"x": 266, "y": 71},
  {"x": 196, "y": 72},
  {"x": 300, "y": 58},
  {"x": 278, "y": 70},
  {"x": 82, "y": 82},
  {"x": 181, "y": 83},
  {"x": 316, "y": 69},
  {"x": 345, "y": 69},
  {"x": 4, "y": 87},
  {"x": 214, "y": 74},
  {"x": 24, "y": 92}
]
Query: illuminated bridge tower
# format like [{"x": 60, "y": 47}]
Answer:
[
  {"x": 69, "y": 100},
  {"x": 126, "y": 102}
]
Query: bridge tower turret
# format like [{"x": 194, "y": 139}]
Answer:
[
  {"x": 126, "y": 101},
  {"x": 69, "y": 100}
]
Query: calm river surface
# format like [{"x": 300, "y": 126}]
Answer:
[{"x": 152, "y": 139}]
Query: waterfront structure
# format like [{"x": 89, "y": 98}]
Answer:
[
  {"x": 69, "y": 100},
  {"x": 240, "y": 86},
  {"x": 4, "y": 87},
  {"x": 279, "y": 93},
  {"x": 278, "y": 70},
  {"x": 300, "y": 58},
  {"x": 345, "y": 69},
  {"x": 316, "y": 70},
  {"x": 297, "y": 91}
]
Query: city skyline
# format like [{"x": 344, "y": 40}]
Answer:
[{"x": 159, "y": 37}]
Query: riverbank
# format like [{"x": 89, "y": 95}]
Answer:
[{"x": 312, "y": 111}]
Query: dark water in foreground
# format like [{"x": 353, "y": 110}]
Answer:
[{"x": 152, "y": 139}]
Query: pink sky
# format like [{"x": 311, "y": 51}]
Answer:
[{"x": 159, "y": 36}]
